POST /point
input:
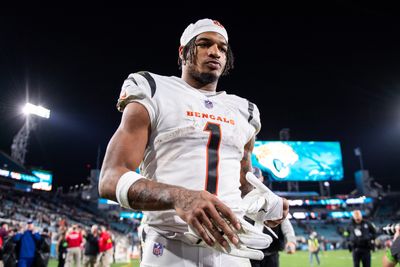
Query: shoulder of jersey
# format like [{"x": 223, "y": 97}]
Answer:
[
  {"x": 248, "y": 109},
  {"x": 145, "y": 80},
  {"x": 139, "y": 85},
  {"x": 242, "y": 103}
]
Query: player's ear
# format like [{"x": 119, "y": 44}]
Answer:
[{"x": 180, "y": 51}]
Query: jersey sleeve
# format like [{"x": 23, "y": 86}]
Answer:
[
  {"x": 250, "y": 113},
  {"x": 254, "y": 117},
  {"x": 138, "y": 87}
]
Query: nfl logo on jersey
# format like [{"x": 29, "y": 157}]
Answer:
[
  {"x": 208, "y": 103},
  {"x": 158, "y": 249}
]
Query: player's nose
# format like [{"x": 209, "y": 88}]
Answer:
[{"x": 214, "y": 51}]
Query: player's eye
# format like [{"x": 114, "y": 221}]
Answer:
[{"x": 202, "y": 44}]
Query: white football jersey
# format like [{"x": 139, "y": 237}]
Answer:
[{"x": 197, "y": 138}]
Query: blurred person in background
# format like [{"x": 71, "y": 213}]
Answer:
[
  {"x": 313, "y": 248},
  {"x": 3, "y": 231},
  {"x": 80, "y": 230},
  {"x": 3, "y": 236},
  {"x": 286, "y": 237},
  {"x": 91, "y": 246},
  {"x": 43, "y": 249},
  {"x": 74, "y": 240},
  {"x": 26, "y": 243},
  {"x": 392, "y": 255},
  {"x": 286, "y": 241},
  {"x": 361, "y": 239},
  {"x": 9, "y": 250},
  {"x": 1, "y": 251},
  {"x": 61, "y": 248},
  {"x": 105, "y": 248}
]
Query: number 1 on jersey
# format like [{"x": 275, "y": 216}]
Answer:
[{"x": 212, "y": 156}]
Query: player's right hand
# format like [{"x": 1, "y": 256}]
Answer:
[
  {"x": 251, "y": 242},
  {"x": 205, "y": 213}
]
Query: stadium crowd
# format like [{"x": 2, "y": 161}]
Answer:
[{"x": 38, "y": 225}]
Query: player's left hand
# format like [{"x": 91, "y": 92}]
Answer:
[
  {"x": 285, "y": 211},
  {"x": 262, "y": 205},
  {"x": 290, "y": 248}
]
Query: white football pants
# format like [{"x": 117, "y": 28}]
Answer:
[{"x": 161, "y": 251}]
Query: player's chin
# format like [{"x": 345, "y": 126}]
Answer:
[
  {"x": 214, "y": 70},
  {"x": 207, "y": 77},
  {"x": 216, "y": 74},
  {"x": 218, "y": 71}
]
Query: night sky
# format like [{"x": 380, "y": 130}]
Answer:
[{"x": 329, "y": 73}]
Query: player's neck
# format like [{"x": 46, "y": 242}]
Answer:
[{"x": 210, "y": 87}]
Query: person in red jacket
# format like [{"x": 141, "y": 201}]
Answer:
[
  {"x": 74, "y": 240},
  {"x": 105, "y": 248},
  {"x": 1, "y": 252},
  {"x": 3, "y": 236}
]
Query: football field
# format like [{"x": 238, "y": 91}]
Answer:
[{"x": 336, "y": 258}]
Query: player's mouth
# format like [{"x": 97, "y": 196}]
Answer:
[{"x": 213, "y": 64}]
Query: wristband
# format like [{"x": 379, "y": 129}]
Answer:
[{"x": 123, "y": 185}]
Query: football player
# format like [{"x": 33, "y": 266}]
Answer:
[{"x": 193, "y": 145}]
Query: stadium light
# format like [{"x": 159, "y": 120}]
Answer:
[
  {"x": 19, "y": 145},
  {"x": 36, "y": 110}
]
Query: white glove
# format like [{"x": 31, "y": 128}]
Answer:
[
  {"x": 261, "y": 203},
  {"x": 249, "y": 237}
]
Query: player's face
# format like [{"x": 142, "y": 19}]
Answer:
[
  {"x": 210, "y": 56},
  {"x": 30, "y": 227},
  {"x": 357, "y": 216}
]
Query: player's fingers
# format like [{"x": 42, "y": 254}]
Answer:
[
  {"x": 202, "y": 232},
  {"x": 220, "y": 215},
  {"x": 254, "y": 181},
  {"x": 213, "y": 230},
  {"x": 228, "y": 214}
]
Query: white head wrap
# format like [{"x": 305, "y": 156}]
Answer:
[{"x": 203, "y": 25}]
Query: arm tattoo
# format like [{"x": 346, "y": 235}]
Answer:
[
  {"x": 186, "y": 198},
  {"x": 245, "y": 187},
  {"x": 149, "y": 195},
  {"x": 245, "y": 165}
]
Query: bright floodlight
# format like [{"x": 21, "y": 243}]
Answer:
[{"x": 37, "y": 110}]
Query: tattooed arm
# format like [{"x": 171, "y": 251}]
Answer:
[
  {"x": 124, "y": 153},
  {"x": 245, "y": 166}
]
